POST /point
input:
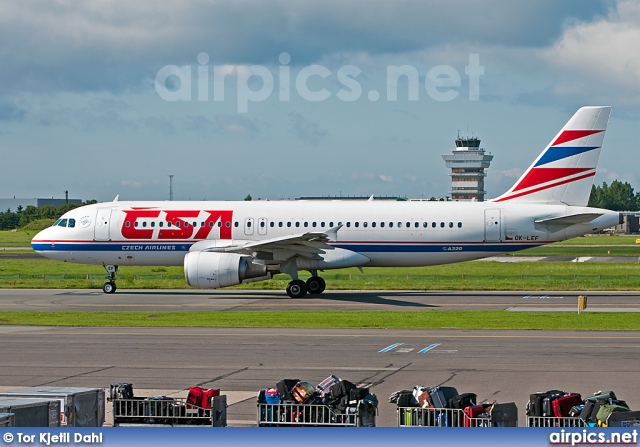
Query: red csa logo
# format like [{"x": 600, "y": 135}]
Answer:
[{"x": 180, "y": 227}]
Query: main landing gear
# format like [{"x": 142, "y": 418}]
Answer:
[
  {"x": 110, "y": 286},
  {"x": 314, "y": 286}
]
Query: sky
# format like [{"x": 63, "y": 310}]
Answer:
[{"x": 281, "y": 99}]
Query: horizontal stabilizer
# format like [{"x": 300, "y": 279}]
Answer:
[{"x": 569, "y": 220}]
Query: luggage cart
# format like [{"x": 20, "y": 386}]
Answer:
[
  {"x": 430, "y": 417},
  {"x": 540, "y": 421},
  {"x": 169, "y": 411},
  {"x": 499, "y": 415},
  {"x": 299, "y": 415}
]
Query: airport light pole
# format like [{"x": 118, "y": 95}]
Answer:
[{"x": 171, "y": 186}]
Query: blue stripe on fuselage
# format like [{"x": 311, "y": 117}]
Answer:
[{"x": 356, "y": 247}]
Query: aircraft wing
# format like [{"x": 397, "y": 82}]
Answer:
[
  {"x": 569, "y": 220},
  {"x": 310, "y": 245}
]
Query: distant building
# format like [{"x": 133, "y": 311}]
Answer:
[
  {"x": 13, "y": 204},
  {"x": 467, "y": 163}
]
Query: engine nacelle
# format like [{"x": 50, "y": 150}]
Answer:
[{"x": 207, "y": 270}]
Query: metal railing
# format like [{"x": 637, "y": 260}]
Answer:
[
  {"x": 170, "y": 411},
  {"x": 281, "y": 415},
  {"x": 430, "y": 417},
  {"x": 540, "y": 421}
]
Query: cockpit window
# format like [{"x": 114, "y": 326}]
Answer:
[
  {"x": 62, "y": 223},
  {"x": 72, "y": 223}
]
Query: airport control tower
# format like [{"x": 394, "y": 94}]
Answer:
[{"x": 467, "y": 163}]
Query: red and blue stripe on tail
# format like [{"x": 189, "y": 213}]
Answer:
[{"x": 563, "y": 173}]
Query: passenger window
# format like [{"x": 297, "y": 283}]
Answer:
[
  {"x": 289, "y": 224},
  {"x": 399, "y": 224},
  {"x": 357, "y": 224},
  {"x": 248, "y": 224},
  {"x": 417, "y": 224},
  {"x": 178, "y": 224},
  {"x": 373, "y": 224},
  {"x": 195, "y": 224},
  {"x": 160, "y": 224},
  {"x": 390, "y": 224},
  {"x": 235, "y": 224},
  {"x": 306, "y": 224},
  {"x": 381, "y": 224},
  {"x": 228, "y": 224},
  {"x": 144, "y": 224},
  {"x": 272, "y": 224},
  {"x": 408, "y": 224},
  {"x": 153, "y": 224},
  {"x": 450, "y": 224},
  {"x": 441, "y": 224},
  {"x": 297, "y": 224},
  {"x": 280, "y": 224},
  {"x": 425, "y": 224},
  {"x": 433, "y": 224},
  {"x": 313, "y": 225},
  {"x": 127, "y": 225},
  {"x": 348, "y": 224},
  {"x": 459, "y": 224},
  {"x": 322, "y": 224},
  {"x": 135, "y": 224},
  {"x": 186, "y": 224}
]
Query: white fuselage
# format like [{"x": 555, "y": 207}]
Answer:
[{"x": 388, "y": 233}]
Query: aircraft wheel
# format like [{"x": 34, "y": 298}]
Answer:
[
  {"x": 316, "y": 285},
  {"x": 296, "y": 288},
  {"x": 109, "y": 287}
]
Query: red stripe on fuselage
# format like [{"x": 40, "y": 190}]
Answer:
[
  {"x": 591, "y": 174},
  {"x": 537, "y": 176},
  {"x": 570, "y": 135}
]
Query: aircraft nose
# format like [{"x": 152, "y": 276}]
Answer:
[{"x": 39, "y": 240}]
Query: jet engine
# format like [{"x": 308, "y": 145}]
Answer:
[{"x": 207, "y": 270}]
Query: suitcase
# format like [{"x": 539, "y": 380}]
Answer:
[
  {"x": 207, "y": 397},
  {"x": 624, "y": 419},
  {"x": 358, "y": 393},
  {"x": 607, "y": 410},
  {"x": 535, "y": 405},
  {"x": 575, "y": 411},
  {"x": 474, "y": 412},
  {"x": 421, "y": 394},
  {"x": 340, "y": 389},
  {"x": 440, "y": 395},
  {"x": 504, "y": 415},
  {"x": 324, "y": 386},
  {"x": 271, "y": 396},
  {"x": 562, "y": 406},
  {"x": 606, "y": 395},
  {"x": 284, "y": 388},
  {"x": 262, "y": 399},
  {"x": 461, "y": 401},
  {"x": 302, "y": 391},
  {"x": 121, "y": 390},
  {"x": 547, "y": 403},
  {"x": 195, "y": 396},
  {"x": 407, "y": 400}
]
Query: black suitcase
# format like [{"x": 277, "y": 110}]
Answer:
[
  {"x": 358, "y": 393},
  {"x": 547, "y": 403},
  {"x": 440, "y": 395},
  {"x": 536, "y": 401},
  {"x": 284, "y": 388},
  {"x": 462, "y": 401},
  {"x": 341, "y": 389}
]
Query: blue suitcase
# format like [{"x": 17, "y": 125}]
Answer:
[{"x": 440, "y": 395}]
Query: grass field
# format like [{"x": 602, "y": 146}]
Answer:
[
  {"x": 474, "y": 275},
  {"x": 490, "y": 320}
]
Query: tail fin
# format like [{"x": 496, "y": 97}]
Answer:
[{"x": 563, "y": 173}]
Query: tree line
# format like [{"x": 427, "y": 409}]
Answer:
[{"x": 21, "y": 217}]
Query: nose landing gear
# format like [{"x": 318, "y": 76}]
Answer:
[{"x": 110, "y": 286}]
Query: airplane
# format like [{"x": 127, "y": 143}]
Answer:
[{"x": 225, "y": 243}]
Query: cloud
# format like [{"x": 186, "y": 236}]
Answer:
[
  {"x": 10, "y": 111},
  {"x": 604, "y": 50},
  {"x": 305, "y": 130},
  {"x": 237, "y": 125},
  {"x": 115, "y": 45}
]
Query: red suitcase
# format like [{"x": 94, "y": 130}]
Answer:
[
  {"x": 474, "y": 412},
  {"x": 195, "y": 396},
  {"x": 562, "y": 405},
  {"x": 208, "y": 395}
]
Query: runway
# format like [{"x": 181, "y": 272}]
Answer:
[
  {"x": 496, "y": 365},
  {"x": 505, "y": 366},
  {"x": 251, "y": 300}
]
